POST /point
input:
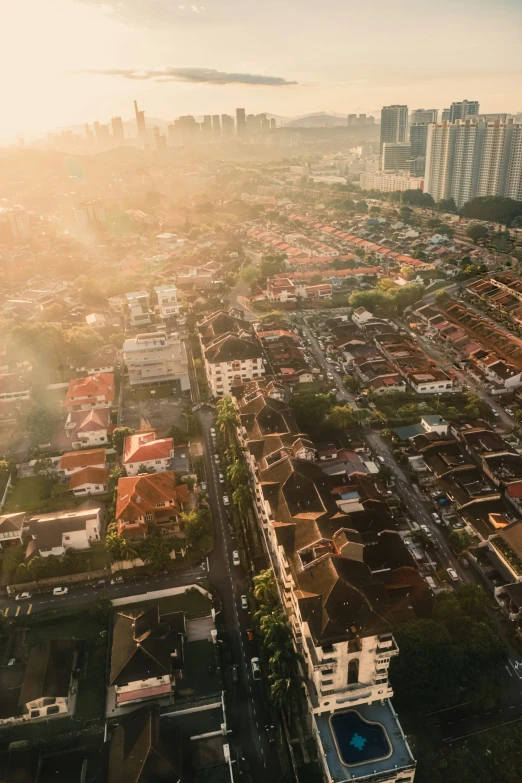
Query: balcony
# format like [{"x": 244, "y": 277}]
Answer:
[{"x": 387, "y": 647}]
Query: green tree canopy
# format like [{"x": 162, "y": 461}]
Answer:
[
  {"x": 118, "y": 438},
  {"x": 476, "y": 231},
  {"x": 310, "y": 409}
]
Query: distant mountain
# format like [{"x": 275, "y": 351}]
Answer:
[{"x": 319, "y": 120}]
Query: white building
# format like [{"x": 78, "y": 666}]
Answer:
[
  {"x": 15, "y": 223},
  {"x": 12, "y": 529},
  {"x": 396, "y": 156},
  {"x": 89, "y": 428},
  {"x": 394, "y": 124},
  {"x": 55, "y": 533},
  {"x": 90, "y": 212},
  {"x": 167, "y": 300},
  {"x": 388, "y": 182},
  {"x": 144, "y": 449},
  {"x": 140, "y": 313},
  {"x": 156, "y": 357}
]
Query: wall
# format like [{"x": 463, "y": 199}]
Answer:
[{"x": 155, "y": 594}]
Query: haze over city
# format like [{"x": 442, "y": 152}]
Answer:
[{"x": 69, "y": 61}]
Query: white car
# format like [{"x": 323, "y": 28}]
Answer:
[
  {"x": 330, "y": 361},
  {"x": 213, "y": 432},
  {"x": 256, "y": 669},
  {"x": 244, "y": 602},
  {"x": 117, "y": 580},
  {"x": 216, "y": 458},
  {"x": 221, "y": 478},
  {"x": 329, "y": 376},
  {"x": 235, "y": 558},
  {"x": 226, "y": 501},
  {"x": 452, "y": 574},
  {"x": 60, "y": 591},
  {"x": 22, "y": 596}
]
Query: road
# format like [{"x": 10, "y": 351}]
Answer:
[{"x": 231, "y": 582}]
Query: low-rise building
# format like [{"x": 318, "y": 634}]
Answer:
[
  {"x": 73, "y": 461},
  {"x": 89, "y": 427},
  {"x": 12, "y": 529},
  {"x": 144, "y": 450},
  {"x": 140, "y": 313},
  {"x": 150, "y": 499},
  {"x": 58, "y": 531},
  {"x": 89, "y": 481},
  {"x": 167, "y": 300},
  {"x": 156, "y": 358},
  {"x": 94, "y": 391}
]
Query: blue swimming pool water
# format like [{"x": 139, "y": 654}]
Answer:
[{"x": 357, "y": 740}]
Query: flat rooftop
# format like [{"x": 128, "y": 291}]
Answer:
[{"x": 400, "y": 756}]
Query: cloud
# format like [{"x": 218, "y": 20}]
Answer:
[{"x": 193, "y": 75}]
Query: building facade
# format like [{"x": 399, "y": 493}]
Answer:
[{"x": 155, "y": 358}]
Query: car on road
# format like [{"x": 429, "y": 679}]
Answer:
[
  {"x": 235, "y": 673},
  {"x": 244, "y": 602},
  {"x": 60, "y": 591},
  {"x": 99, "y": 583},
  {"x": 330, "y": 361},
  {"x": 381, "y": 459},
  {"x": 203, "y": 486},
  {"x": 250, "y": 634},
  {"x": 221, "y": 478},
  {"x": 117, "y": 580},
  {"x": 213, "y": 432},
  {"x": 436, "y": 518},
  {"x": 226, "y": 500},
  {"x": 235, "y": 558},
  {"x": 22, "y": 596},
  {"x": 452, "y": 574},
  {"x": 216, "y": 458},
  {"x": 329, "y": 376},
  {"x": 256, "y": 669}
]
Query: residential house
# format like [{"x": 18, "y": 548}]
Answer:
[
  {"x": 138, "y": 754},
  {"x": 156, "y": 357},
  {"x": 101, "y": 361},
  {"x": 150, "y": 499},
  {"x": 59, "y": 531},
  {"x": 96, "y": 320},
  {"x": 361, "y": 315},
  {"x": 429, "y": 381},
  {"x": 140, "y": 314},
  {"x": 89, "y": 481},
  {"x": 143, "y": 449},
  {"x": 94, "y": 391},
  {"x": 72, "y": 461},
  {"x": 43, "y": 687},
  {"x": 89, "y": 427},
  {"x": 12, "y": 529},
  {"x": 167, "y": 300},
  {"x": 146, "y": 655}
]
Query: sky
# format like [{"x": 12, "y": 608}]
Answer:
[{"x": 66, "y": 62}]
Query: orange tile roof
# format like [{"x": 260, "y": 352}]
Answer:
[
  {"x": 139, "y": 495},
  {"x": 82, "y": 459},
  {"x": 142, "y": 447},
  {"x": 89, "y": 476},
  {"x": 100, "y": 385}
]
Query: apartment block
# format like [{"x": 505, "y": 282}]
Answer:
[
  {"x": 155, "y": 357},
  {"x": 167, "y": 300}
]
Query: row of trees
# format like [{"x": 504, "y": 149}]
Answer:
[{"x": 238, "y": 474}]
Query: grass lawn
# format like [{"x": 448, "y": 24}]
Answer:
[
  {"x": 193, "y": 603},
  {"x": 27, "y": 494}
]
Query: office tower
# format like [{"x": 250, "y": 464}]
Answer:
[
  {"x": 396, "y": 156},
  {"x": 461, "y": 110},
  {"x": 273, "y": 124},
  {"x": 394, "y": 124},
  {"x": 227, "y": 125},
  {"x": 216, "y": 125},
  {"x": 206, "y": 125},
  {"x": 423, "y": 116},
  {"x": 240, "y": 122},
  {"x": 186, "y": 127},
  {"x": 140, "y": 124},
  {"x": 161, "y": 141},
  {"x": 445, "y": 115},
  {"x": 352, "y": 119},
  {"x": 117, "y": 129}
]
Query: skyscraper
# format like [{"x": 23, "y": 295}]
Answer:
[
  {"x": 227, "y": 125},
  {"x": 394, "y": 124},
  {"x": 513, "y": 182},
  {"x": 440, "y": 150},
  {"x": 140, "y": 124},
  {"x": 461, "y": 110},
  {"x": 240, "y": 122},
  {"x": 117, "y": 129},
  {"x": 445, "y": 115},
  {"x": 396, "y": 156},
  {"x": 216, "y": 125},
  {"x": 206, "y": 125},
  {"x": 418, "y": 139},
  {"x": 352, "y": 119},
  {"x": 424, "y": 116}
]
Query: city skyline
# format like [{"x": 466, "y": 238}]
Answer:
[{"x": 182, "y": 59}]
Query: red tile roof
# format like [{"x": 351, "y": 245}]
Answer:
[
  {"x": 82, "y": 459},
  {"x": 143, "y": 446},
  {"x": 89, "y": 476},
  {"x": 139, "y": 495},
  {"x": 84, "y": 389}
]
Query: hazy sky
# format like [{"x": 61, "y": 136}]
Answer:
[{"x": 71, "y": 61}]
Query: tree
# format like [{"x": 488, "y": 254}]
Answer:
[
  {"x": 155, "y": 552},
  {"x": 340, "y": 417},
  {"x": 44, "y": 466},
  {"x": 496, "y": 209},
  {"x": 118, "y": 547},
  {"x": 476, "y": 231},
  {"x": 118, "y": 438},
  {"x": 310, "y": 409},
  {"x": 241, "y": 497},
  {"x": 196, "y": 524},
  {"x": 265, "y": 589},
  {"x": 238, "y": 474},
  {"x": 447, "y": 205},
  {"x": 40, "y": 422},
  {"x": 227, "y": 418},
  {"x": 316, "y": 279},
  {"x": 272, "y": 265},
  {"x": 460, "y": 541},
  {"x": 4, "y": 625},
  {"x": 442, "y": 297},
  {"x": 101, "y": 608},
  {"x": 251, "y": 276}
]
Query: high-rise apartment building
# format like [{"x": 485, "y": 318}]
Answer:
[
  {"x": 140, "y": 124},
  {"x": 513, "y": 181},
  {"x": 117, "y": 129},
  {"x": 216, "y": 125},
  {"x": 418, "y": 140},
  {"x": 424, "y": 116},
  {"x": 440, "y": 149},
  {"x": 352, "y": 119},
  {"x": 445, "y": 115},
  {"x": 461, "y": 110},
  {"x": 466, "y": 161},
  {"x": 240, "y": 122},
  {"x": 494, "y": 159},
  {"x": 396, "y": 156},
  {"x": 273, "y": 124},
  {"x": 206, "y": 125},
  {"x": 14, "y": 223},
  {"x": 227, "y": 125},
  {"x": 394, "y": 124}
]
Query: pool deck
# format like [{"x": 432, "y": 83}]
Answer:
[{"x": 384, "y": 714}]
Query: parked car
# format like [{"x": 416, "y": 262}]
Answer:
[
  {"x": 221, "y": 478},
  {"x": 244, "y": 602},
  {"x": 250, "y": 634},
  {"x": 436, "y": 518},
  {"x": 22, "y": 596},
  {"x": 235, "y": 558},
  {"x": 117, "y": 580},
  {"x": 226, "y": 500},
  {"x": 213, "y": 432},
  {"x": 452, "y": 574},
  {"x": 60, "y": 591},
  {"x": 203, "y": 486},
  {"x": 256, "y": 669},
  {"x": 216, "y": 458}
]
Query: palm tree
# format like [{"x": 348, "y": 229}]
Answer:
[
  {"x": 238, "y": 474},
  {"x": 227, "y": 419},
  {"x": 265, "y": 591},
  {"x": 274, "y": 629},
  {"x": 241, "y": 497}
]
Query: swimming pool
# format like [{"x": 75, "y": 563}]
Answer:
[{"x": 358, "y": 741}]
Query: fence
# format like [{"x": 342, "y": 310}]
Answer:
[{"x": 154, "y": 594}]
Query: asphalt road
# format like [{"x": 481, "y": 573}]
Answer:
[{"x": 231, "y": 582}]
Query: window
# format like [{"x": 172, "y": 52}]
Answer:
[
  {"x": 326, "y": 672},
  {"x": 67, "y": 538},
  {"x": 158, "y": 462}
]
